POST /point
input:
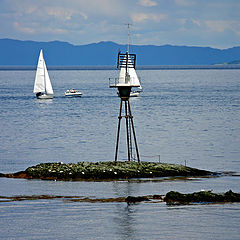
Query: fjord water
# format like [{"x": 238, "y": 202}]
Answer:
[{"x": 183, "y": 116}]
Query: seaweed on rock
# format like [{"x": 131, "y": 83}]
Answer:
[
  {"x": 201, "y": 197},
  {"x": 105, "y": 170}
]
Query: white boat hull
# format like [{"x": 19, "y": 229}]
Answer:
[
  {"x": 45, "y": 96},
  {"x": 73, "y": 94},
  {"x": 134, "y": 94}
]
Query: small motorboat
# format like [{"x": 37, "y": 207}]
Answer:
[{"x": 73, "y": 93}]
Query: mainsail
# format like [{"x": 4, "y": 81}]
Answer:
[{"x": 42, "y": 80}]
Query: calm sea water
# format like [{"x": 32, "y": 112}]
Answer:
[{"x": 185, "y": 116}]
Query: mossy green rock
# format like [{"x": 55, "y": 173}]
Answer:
[
  {"x": 109, "y": 170},
  {"x": 200, "y": 197}
]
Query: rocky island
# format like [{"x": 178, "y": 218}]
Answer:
[{"x": 105, "y": 171}]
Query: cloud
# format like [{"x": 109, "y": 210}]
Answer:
[
  {"x": 142, "y": 17},
  {"x": 23, "y": 29},
  {"x": 147, "y": 3},
  {"x": 96, "y": 7},
  {"x": 64, "y": 13},
  {"x": 218, "y": 26},
  {"x": 222, "y": 26},
  {"x": 33, "y": 29},
  {"x": 196, "y": 22},
  {"x": 186, "y": 24},
  {"x": 154, "y": 21},
  {"x": 58, "y": 12}
]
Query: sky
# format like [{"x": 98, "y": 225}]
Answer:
[{"x": 211, "y": 23}]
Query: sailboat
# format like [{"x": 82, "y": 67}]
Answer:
[{"x": 42, "y": 85}]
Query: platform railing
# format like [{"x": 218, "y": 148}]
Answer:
[{"x": 114, "y": 82}]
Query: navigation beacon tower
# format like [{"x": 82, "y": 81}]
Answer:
[
  {"x": 127, "y": 79},
  {"x": 125, "y": 82}
]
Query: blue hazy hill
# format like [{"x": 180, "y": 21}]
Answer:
[{"x": 57, "y": 53}]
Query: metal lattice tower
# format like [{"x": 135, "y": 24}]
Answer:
[{"x": 124, "y": 85}]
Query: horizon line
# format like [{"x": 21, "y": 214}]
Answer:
[{"x": 109, "y": 67}]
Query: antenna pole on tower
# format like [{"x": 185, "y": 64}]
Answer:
[{"x": 128, "y": 25}]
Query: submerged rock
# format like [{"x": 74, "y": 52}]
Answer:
[
  {"x": 201, "y": 197},
  {"x": 131, "y": 199},
  {"x": 105, "y": 171},
  {"x": 170, "y": 198}
]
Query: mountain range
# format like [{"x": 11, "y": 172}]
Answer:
[{"x": 57, "y": 53}]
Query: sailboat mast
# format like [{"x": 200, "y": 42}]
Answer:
[{"x": 45, "y": 85}]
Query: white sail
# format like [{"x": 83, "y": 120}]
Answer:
[
  {"x": 48, "y": 85},
  {"x": 39, "y": 85},
  {"x": 42, "y": 81},
  {"x": 129, "y": 78}
]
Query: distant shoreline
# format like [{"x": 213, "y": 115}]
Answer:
[{"x": 162, "y": 67}]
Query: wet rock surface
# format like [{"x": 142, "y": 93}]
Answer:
[
  {"x": 201, "y": 197},
  {"x": 131, "y": 199},
  {"x": 105, "y": 171}
]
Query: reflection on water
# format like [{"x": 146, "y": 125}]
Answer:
[
  {"x": 44, "y": 102},
  {"x": 124, "y": 221}
]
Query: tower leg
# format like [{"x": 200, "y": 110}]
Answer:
[
  {"x": 118, "y": 131},
  {"x": 129, "y": 127},
  {"x": 127, "y": 130},
  {"x": 130, "y": 137},
  {"x": 134, "y": 135}
]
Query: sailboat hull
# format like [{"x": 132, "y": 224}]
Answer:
[
  {"x": 134, "y": 93},
  {"x": 45, "y": 96}
]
